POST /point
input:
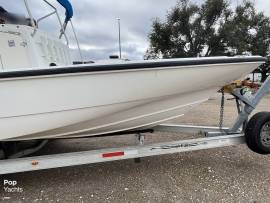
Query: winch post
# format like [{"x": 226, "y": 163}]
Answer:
[{"x": 250, "y": 106}]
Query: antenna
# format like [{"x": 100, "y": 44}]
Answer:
[
  {"x": 119, "y": 37},
  {"x": 77, "y": 41}
]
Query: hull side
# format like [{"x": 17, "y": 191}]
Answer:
[
  {"x": 99, "y": 103},
  {"x": 140, "y": 116}
]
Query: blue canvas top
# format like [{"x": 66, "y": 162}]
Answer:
[{"x": 69, "y": 10}]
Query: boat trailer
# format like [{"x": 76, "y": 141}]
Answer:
[{"x": 255, "y": 132}]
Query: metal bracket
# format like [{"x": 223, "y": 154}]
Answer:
[
  {"x": 242, "y": 98},
  {"x": 140, "y": 141}
]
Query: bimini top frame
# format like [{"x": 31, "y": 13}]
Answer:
[
  {"x": 36, "y": 23},
  {"x": 62, "y": 25}
]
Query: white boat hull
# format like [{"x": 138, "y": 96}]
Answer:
[{"x": 97, "y": 103}]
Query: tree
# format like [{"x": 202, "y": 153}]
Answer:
[
  {"x": 189, "y": 30},
  {"x": 248, "y": 31},
  {"x": 212, "y": 28},
  {"x": 264, "y": 69}
]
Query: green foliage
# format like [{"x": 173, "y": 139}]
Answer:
[
  {"x": 248, "y": 30},
  {"x": 210, "y": 29}
]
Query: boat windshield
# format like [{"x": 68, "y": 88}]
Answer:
[{"x": 10, "y": 18}]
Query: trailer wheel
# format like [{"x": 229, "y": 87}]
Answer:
[{"x": 257, "y": 133}]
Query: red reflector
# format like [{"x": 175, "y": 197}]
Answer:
[{"x": 112, "y": 154}]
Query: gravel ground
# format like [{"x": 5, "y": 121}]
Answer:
[{"x": 231, "y": 174}]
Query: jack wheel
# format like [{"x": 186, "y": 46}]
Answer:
[{"x": 257, "y": 133}]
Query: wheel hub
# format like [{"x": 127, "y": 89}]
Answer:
[{"x": 265, "y": 134}]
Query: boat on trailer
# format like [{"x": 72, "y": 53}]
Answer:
[
  {"x": 98, "y": 98},
  {"x": 48, "y": 97}
]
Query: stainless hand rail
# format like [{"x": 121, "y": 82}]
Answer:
[
  {"x": 62, "y": 31},
  {"x": 62, "y": 26},
  {"x": 35, "y": 25},
  {"x": 30, "y": 14},
  {"x": 77, "y": 41}
]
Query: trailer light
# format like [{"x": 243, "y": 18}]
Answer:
[{"x": 113, "y": 154}]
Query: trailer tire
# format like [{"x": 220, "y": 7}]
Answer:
[{"x": 257, "y": 133}]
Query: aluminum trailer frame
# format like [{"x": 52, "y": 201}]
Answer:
[
  {"x": 113, "y": 154},
  {"x": 216, "y": 137}
]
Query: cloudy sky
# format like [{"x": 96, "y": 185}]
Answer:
[{"x": 96, "y": 24}]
